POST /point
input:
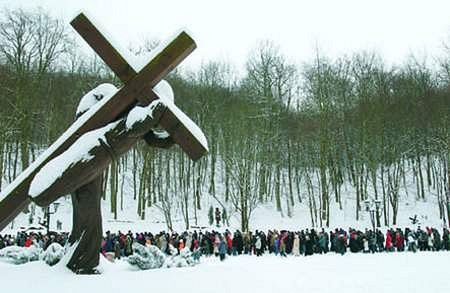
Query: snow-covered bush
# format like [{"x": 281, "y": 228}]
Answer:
[
  {"x": 53, "y": 254},
  {"x": 20, "y": 255},
  {"x": 146, "y": 257},
  {"x": 151, "y": 257},
  {"x": 184, "y": 259}
]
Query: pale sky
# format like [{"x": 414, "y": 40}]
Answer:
[{"x": 227, "y": 30}]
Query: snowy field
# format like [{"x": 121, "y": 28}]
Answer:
[{"x": 395, "y": 272}]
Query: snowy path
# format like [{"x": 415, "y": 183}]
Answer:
[{"x": 399, "y": 272}]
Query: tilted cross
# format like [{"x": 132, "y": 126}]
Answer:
[{"x": 138, "y": 87}]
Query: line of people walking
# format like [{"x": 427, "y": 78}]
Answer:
[
  {"x": 283, "y": 243},
  {"x": 305, "y": 242}
]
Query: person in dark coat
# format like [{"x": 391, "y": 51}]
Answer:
[
  {"x": 218, "y": 217},
  {"x": 372, "y": 238},
  {"x": 238, "y": 242},
  {"x": 333, "y": 240},
  {"x": 380, "y": 241},
  {"x": 446, "y": 239},
  {"x": 116, "y": 248},
  {"x": 128, "y": 250},
  {"x": 341, "y": 242},
  {"x": 309, "y": 244},
  {"x": 222, "y": 248},
  {"x": 327, "y": 240},
  {"x": 437, "y": 243},
  {"x": 353, "y": 242},
  {"x": 109, "y": 245}
]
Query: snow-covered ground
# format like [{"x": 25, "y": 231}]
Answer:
[{"x": 384, "y": 272}]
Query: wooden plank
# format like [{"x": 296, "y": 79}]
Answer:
[
  {"x": 170, "y": 122},
  {"x": 103, "y": 47},
  {"x": 181, "y": 133},
  {"x": 15, "y": 196},
  {"x": 14, "y": 204},
  {"x": 144, "y": 81}
]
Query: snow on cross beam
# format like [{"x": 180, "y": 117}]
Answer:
[
  {"x": 14, "y": 198},
  {"x": 182, "y": 129}
]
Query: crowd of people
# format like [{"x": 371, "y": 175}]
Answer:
[
  {"x": 38, "y": 239},
  {"x": 283, "y": 243}
]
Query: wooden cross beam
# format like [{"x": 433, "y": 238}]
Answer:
[
  {"x": 14, "y": 198},
  {"x": 180, "y": 132}
]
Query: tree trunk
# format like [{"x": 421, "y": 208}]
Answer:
[
  {"x": 290, "y": 174},
  {"x": 278, "y": 188}
]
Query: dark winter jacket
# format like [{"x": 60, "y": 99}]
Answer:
[{"x": 222, "y": 247}]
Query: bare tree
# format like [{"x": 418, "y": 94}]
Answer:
[{"x": 244, "y": 196}]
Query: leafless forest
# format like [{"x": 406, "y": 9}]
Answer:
[{"x": 281, "y": 132}]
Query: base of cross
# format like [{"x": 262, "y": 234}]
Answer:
[
  {"x": 86, "y": 235},
  {"x": 85, "y": 177}
]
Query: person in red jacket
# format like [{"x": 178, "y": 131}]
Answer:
[
  {"x": 180, "y": 245},
  {"x": 399, "y": 241},
  {"x": 29, "y": 241},
  {"x": 229, "y": 241},
  {"x": 388, "y": 241},
  {"x": 195, "y": 244}
]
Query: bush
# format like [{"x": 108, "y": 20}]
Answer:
[
  {"x": 146, "y": 258},
  {"x": 53, "y": 254},
  {"x": 184, "y": 259},
  {"x": 20, "y": 255}
]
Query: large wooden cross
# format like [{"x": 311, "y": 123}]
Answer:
[{"x": 138, "y": 87}]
